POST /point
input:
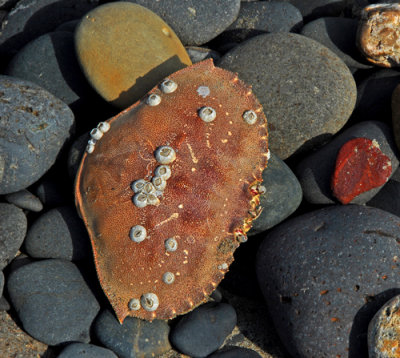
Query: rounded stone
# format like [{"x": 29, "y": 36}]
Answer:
[
  {"x": 203, "y": 330},
  {"x": 313, "y": 9},
  {"x": 386, "y": 199},
  {"x": 282, "y": 197},
  {"x": 34, "y": 126},
  {"x": 325, "y": 274},
  {"x": 82, "y": 350},
  {"x": 13, "y": 226},
  {"x": 198, "y": 54},
  {"x": 132, "y": 338},
  {"x": 315, "y": 170},
  {"x": 53, "y": 301},
  {"x": 235, "y": 352},
  {"x": 300, "y": 83},
  {"x": 195, "y": 22},
  {"x": 110, "y": 48},
  {"x": 25, "y": 200},
  {"x": 58, "y": 234}
]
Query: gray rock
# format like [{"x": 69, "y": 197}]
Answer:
[
  {"x": 1, "y": 283},
  {"x": 235, "y": 352},
  {"x": 387, "y": 198},
  {"x": 34, "y": 126},
  {"x": 339, "y": 35},
  {"x": 75, "y": 154},
  {"x": 312, "y": 9},
  {"x": 82, "y": 350},
  {"x": 53, "y": 301},
  {"x": 58, "y": 234},
  {"x": 7, "y": 4},
  {"x": 68, "y": 26},
  {"x": 325, "y": 274},
  {"x": 198, "y": 54},
  {"x": 314, "y": 171},
  {"x": 134, "y": 338},
  {"x": 203, "y": 330},
  {"x": 25, "y": 200},
  {"x": 13, "y": 226},
  {"x": 282, "y": 197},
  {"x": 51, "y": 192},
  {"x": 195, "y": 22},
  {"x": 307, "y": 92}
]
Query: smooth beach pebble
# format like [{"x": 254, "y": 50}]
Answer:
[
  {"x": 34, "y": 126},
  {"x": 300, "y": 83},
  {"x": 133, "y": 338},
  {"x": 325, "y": 274},
  {"x": 53, "y": 301},
  {"x": 24, "y": 199},
  {"x": 125, "y": 50},
  {"x": 82, "y": 350},
  {"x": 203, "y": 330}
]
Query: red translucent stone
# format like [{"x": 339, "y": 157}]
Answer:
[{"x": 360, "y": 166}]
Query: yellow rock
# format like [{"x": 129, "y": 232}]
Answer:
[{"x": 125, "y": 49}]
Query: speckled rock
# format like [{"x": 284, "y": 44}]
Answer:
[
  {"x": 32, "y": 18},
  {"x": 195, "y": 22},
  {"x": 339, "y": 35},
  {"x": 198, "y": 54},
  {"x": 24, "y": 199},
  {"x": 203, "y": 330},
  {"x": 235, "y": 352},
  {"x": 50, "y": 62},
  {"x": 53, "y": 301},
  {"x": 300, "y": 83},
  {"x": 13, "y": 226},
  {"x": 325, "y": 274},
  {"x": 282, "y": 197},
  {"x": 58, "y": 234},
  {"x": 384, "y": 332},
  {"x": 312, "y": 9},
  {"x": 110, "y": 48},
  {"x": 134, "y": 338},
  {"x": 34, "y": 126},
  {"x": 82, "y": 350},
  {"x": 314, "y": 171}
]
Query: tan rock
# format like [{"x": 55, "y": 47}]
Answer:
[{"x": 125, "y": 49}]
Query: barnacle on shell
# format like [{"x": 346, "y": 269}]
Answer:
[{"x": 169, "y": 192}]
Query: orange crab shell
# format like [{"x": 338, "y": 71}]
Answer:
[{"x": 206, "y": 201}]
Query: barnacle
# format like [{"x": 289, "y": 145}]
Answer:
[{"x": 169, "y": 192}]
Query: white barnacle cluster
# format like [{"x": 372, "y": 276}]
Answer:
[
  {"x": 167, "y": 86},
  {"x": 96, "y": 134}
]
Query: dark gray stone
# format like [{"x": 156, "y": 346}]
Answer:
[
  {"x": 34, "y": 126},
  {"x": 1, "y": 283},
  {"x": 339, "y": 35},
  {"x": 7, "y": 4},
  {"x": 235, "y": 352},
  {"x": 58, "y": 234},
  {"x": 25, "y": 200},
  {"x": 195, "y": 22},
  {"x": 50, "y": 62},
  {"x": 314, "y": 171},
  {"x": 312, "y": 9},
  {"x": 82, "y": 350},
  {"x": 75, "y": 154},
  {"x": 198, "y": 54},
  {"x": 13, "y": 226},
  {"x": 68, "y": 26},
  {"x": 282, "y": 198},
  {"x": 52, "y": 192},
  {"x": 325, "y": 274},
  {"x": 53, "y": 301},
  {"x": 134, "y": 338},
  {"x": 307, "y": 92},
  {"x": 32, "y": 18},
  {"x": 387, "y": 198},
  {"x": 203, "y": 330}
]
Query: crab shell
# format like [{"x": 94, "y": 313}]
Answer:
[{"x": 204, "y": 206}]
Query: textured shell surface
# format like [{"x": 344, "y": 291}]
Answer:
[{"x": 203, "y": 208}]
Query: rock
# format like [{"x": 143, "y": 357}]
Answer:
[
  {"x": 58, "y": 234},
  {"x": 25, "y": 200},
  {"x": 68, "y": 26},
  {"x": 34, "y": 126},
  {"x": 360, "y": 167},
  {"x": 282, "y": 197},
  {"x": 4, "y": 305},
  {"x": 13, "y": 226},
  {"x": 82, "y": 350},
  {"x": 51, "y": 192},
  {"x": 300, "y": 83},
  {"x": 396, "y": 115},
  {"x": 203, "y": 330},
  {"x": 325, "y": 274},
  {"x": 339, "y": 35},
  {"x": 383, "y": 331},
  {"x": 314, "y": 171},
  {"x": 53, "y": 301},
  {"x": 1, "y": 283},
  {"x": 109, "y": 44},
  {"x": 198, "y": 54},
  {"x": 195, "y": 22},
  {"x": 50, "y": 62},
  {"x": 75, "y": 154},
  {"x": 7, "y": 4},
  {"x": 32, "y": 18},
  {"x": 235, "y": 352},
  {"x": 386, "y": 199},
  {"x": 313, "y": 9},
  {"x": 133, "y": 338}
]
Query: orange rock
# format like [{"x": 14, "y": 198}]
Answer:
[{"x": 201, "y": 139}]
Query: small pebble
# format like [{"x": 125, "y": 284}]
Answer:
[
  {"x": 198, "y": 54},
  {"x": 203, "y": 330},
  {"x": 82, "y": 350},
  {"x": 25, "y": 200}
]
